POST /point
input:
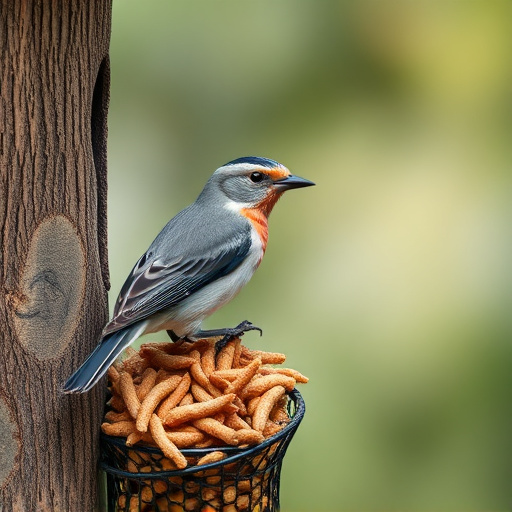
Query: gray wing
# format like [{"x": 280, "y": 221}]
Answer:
[{"x": 156, "y": 284}]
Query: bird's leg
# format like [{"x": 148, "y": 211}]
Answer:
[
  {"x": 232, "y": 332},
  {"x": 228, "y": 333},
  {"x": 174, "y": 337}
]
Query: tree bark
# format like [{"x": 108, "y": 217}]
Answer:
[{"x": 54, "y": 84}]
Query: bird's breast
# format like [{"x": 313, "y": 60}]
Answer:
[{"x": 185, "y": 317}]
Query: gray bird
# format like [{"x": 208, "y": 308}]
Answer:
[{"x": 199, "y": 261}]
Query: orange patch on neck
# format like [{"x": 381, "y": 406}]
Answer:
[
  {"x": 259, "y": 221},
  {"x": 268, "y": 203}
]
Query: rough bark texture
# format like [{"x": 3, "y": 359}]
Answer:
[{"x": 54, "y": 81}]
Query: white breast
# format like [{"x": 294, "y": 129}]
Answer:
[{"x": 186, "y": 317}]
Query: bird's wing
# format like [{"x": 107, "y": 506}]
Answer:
[{"x": 154, "y": 286}]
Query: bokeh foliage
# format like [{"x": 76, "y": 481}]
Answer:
[{"x": 389, "y": 283}]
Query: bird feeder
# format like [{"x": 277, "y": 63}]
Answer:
[{"x": 247, "y": 479}]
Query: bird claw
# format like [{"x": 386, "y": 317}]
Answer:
[{"x": 235, "y": 332}]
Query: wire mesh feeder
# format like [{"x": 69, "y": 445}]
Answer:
[{"x": 139, "y": 479}]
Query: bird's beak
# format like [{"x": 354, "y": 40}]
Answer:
[{"x": 292, "y": 181}]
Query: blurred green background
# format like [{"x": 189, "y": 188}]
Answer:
[{"x": 388, "y": 283}]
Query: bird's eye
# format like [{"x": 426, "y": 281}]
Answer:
[{"x": 256, "y": 177}]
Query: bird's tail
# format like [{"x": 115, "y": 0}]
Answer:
[{"x": 97, "y": 364}]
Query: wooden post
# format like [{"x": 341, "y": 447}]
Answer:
[{"x": 54, "y": 86}]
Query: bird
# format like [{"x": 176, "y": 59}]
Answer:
[{"x": 199, "y": 262}]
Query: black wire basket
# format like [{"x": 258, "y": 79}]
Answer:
[{"x": 139, "y": 479}]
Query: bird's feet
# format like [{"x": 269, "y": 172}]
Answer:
[
  {"x": 227, "y": 334},
  {"x": 235, "y": 332}
]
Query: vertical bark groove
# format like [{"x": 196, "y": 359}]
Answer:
[
  {"x": 99, "y": 151},
  {"x": 54, "y": 90}
]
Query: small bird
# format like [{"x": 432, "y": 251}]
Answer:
[{"x": 199, "y": 261}]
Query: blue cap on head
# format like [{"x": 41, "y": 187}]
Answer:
[{"x": 255, "y": 160}]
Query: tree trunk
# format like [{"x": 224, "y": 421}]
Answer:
[{"x": 54, "y": 83}]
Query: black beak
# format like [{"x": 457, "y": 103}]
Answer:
[{"x": 292, "y": 181}]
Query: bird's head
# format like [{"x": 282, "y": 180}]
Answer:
[{"x": 253, "y": 183}]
